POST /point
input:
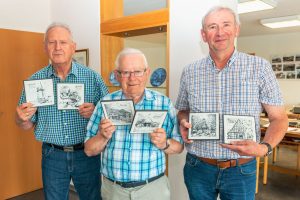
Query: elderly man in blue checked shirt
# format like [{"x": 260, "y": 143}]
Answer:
[
  {"x": 63, "y": 131},
  {"x": 227, "y": 82},
  {"x": 133, "y": 165}
]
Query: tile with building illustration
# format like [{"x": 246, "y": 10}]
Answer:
[
  {"x": 120, "y": 112},
  {"x": 146, "y": 121},
  {"x": 205, "y": 126},
  {"x": 238, "y": 128}
]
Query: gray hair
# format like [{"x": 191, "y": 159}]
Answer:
[
  {"x": 57, "y": 24},
  {"x": 219, "y": 8},
  {"x": 127, "y": 51}
]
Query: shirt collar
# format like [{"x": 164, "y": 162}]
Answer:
[
  {"x": 148, "y": 96},
  {"x": 74, "y": 70},
  {"x": 230, "y": 61}
]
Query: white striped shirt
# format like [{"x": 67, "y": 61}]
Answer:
[{"x": 238, "y": 89}]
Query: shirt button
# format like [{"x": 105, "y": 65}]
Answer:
[
  {"x": 66, "y": 136},
  {"x": 65, "y": 124}
]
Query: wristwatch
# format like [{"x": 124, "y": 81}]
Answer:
[
  {"x": 167, "y": 144},
  {"x": 270, "y": 149}
]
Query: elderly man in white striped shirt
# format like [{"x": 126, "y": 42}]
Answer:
[{"x": 227, "y": 83}]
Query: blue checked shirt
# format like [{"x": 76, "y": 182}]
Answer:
[
  {"x": 132, "y": 157},
  {"x": 238, "y": 89},
  {"x": 65, "y": 127}
]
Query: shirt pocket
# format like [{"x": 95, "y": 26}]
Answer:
[{"x": 200, "y": 99}]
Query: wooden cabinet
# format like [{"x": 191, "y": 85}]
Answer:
[{"x": 118, "y": 31}]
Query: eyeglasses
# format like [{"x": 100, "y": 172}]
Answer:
[{"x": 127, "y": 74}]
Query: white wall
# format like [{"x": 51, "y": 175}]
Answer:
[
  {"x": 84, "y": 19},
  {"x": 185, "y": 46},
  {"x": 35, "y": 15},
  {"x": 29, "y": 15},
  {"x": 279, "y": 44}
]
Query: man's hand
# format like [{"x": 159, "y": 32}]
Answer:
[
  {"x": 184, "y": 130},
  {"x": 247, "y": 148},
  {"x": 106, "y": 129},
  {"x": 159, "y": 138},
  {"x": 24, "y": 112},
  {"x": 86, "y": 110},
  {"x": 97, "y": 144}
]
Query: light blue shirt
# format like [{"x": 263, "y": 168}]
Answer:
[
  {"x": 133, "y": 157},
  {"x": 65, "y": 127},
  {"x": 240, "y": 88}
]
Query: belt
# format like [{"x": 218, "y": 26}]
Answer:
[
  {"x": 132, "y": 184},
  {"x": 71, "y": 148},
  {"x": 223, "y": 163}
]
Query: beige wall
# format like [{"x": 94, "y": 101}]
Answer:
[
  {"x": 154, "y": 48},
  {"x": 279, "y": 44}
]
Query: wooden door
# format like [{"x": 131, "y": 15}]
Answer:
[{"x": 21, "y": 54}]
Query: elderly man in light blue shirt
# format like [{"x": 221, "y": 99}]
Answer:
[{"x": 133, "y": 165}]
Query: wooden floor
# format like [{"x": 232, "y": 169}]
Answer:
[
  {"x": 279, "y": 186},
  {"x": 39, "y": 195}
]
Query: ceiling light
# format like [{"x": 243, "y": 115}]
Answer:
[
  {"x": 245, "y": 6},
  {"x": 281, "y": 22}
]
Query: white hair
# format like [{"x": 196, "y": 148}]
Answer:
[
  {"x": 57, "y": 24},
  {"x": 219, "y": 8},
  {"x": 127, "y": 51}
]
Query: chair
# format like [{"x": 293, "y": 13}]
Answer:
[
  {"x": 265, "y": 171},
  {"x": 288, "y": 143}
]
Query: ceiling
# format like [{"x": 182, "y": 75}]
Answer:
[{"x": 250, "y": 22}]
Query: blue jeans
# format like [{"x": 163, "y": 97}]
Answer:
[
  {"x": 59, "y": 167},
  {"x": 205, "y": 181}
]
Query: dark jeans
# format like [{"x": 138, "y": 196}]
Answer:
[
  {"x": 59, "y": 167},
  {"x": 205, "y": 181}
]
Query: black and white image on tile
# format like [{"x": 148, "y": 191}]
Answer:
[
  {"x": 120, "y": 112},
  {"x": 205, "y": 126},
  {"x": 146, "y": 121},
  {"x": 70, "y": 96},
  {"x": 39, "y": 92},
  {"x": 238, "y": 128}
]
